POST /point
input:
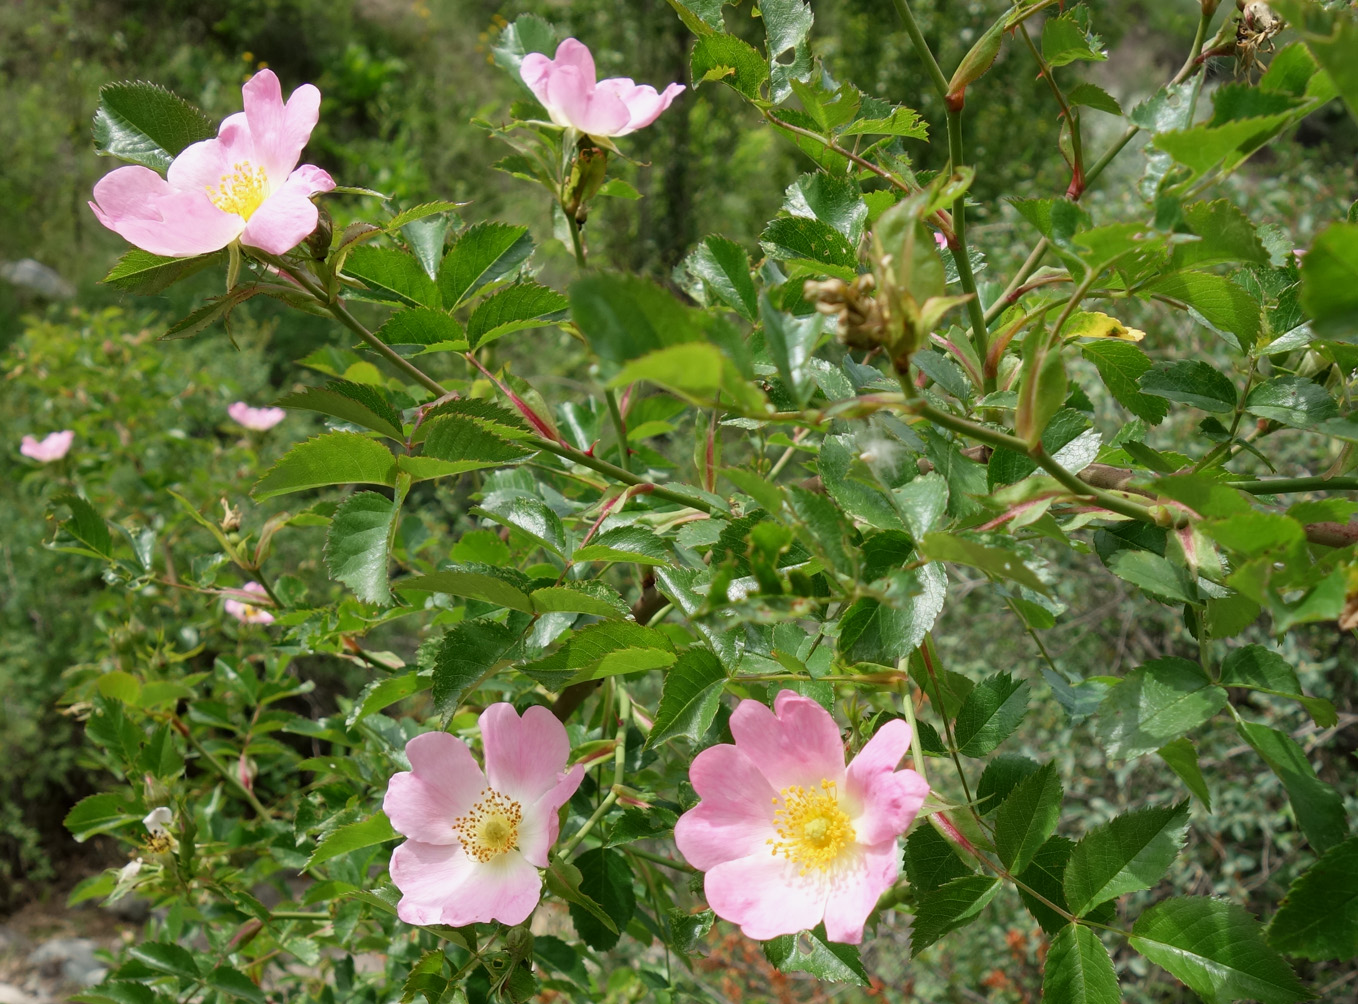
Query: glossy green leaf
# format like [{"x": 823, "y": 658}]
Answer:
[
  {"x": 1121, "y": 367},
  {"x": 624, "y": 317},
  {"x": 952, "y": 905},
  {"x": 875, "y": 631},
  {"x": 423, "y": 326},
  {"x": 234, "y": 983},
  {"x": 700, "y": 373},
  {"x": 1318, "y": 918},
  {"x": 87, "y": 531},
  {"x": 990, "y": 714},
  {"x": 724, "y": 268},
  {"x": 731, "y": 60},
  {"x": 165, "y": 957},
  {"x": 1225, "y": 236},
  {"x": 336, "y": 458},
  {"x": 392, "y": 275},
  {"x": 1182, "y": 757},
  {"x": 101, "y": 813},
  {"x": 1217, "y": 949},
  {"x": 1319, "y": 808},
  {"x": 810, "y": 246},
  {"x": 1264, "y": 670},
  {"x": 532, "y": 517},
  {"x": 463, "y": 444},
  {"x": 1155, "y": 575},
  {"x": 361, "y": 404},
  {"x": 688, "y": 697},
  {"x": 1224, "y": 304},
  {"x": 376, "y": 829},
  {"x": 146, "y": 274},
  {"x": 471, "y": 580},
  {"x": 145, "y": 124},
  {"x": 1154, "y": 704},
  {"x": 383, "y": 693},
  {"x": 996, "y": 561},
  {"x": 625, "y": 543},
  {"x": 525, "y": 304},
  {"x": 1294, "y": 401},
  {"x": 358, "y": 543},
  {"x": 931, "y": 860},
  {"x": 813, "y": 953},
  {"x": 582, "y": 596},
  {"x": 482, "y": 254},
  {"x": 1192, "y": 382},
  {"x": 606, "y": 648},
  {"x": 1067, "y": 38},
  {"x": 1079, "y": 970},
  {"x": 1043, "y": 878},
  {"x": 606, "y": 878},
  {"x": 1001, "y": 775},
  {"x": 1028, "y": 817},
  {"x": 463, "y": 656},
  {"x": 1132, "y": 851}
]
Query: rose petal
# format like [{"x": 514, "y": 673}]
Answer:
[
  {"x": 856, "y": 890},
  {"x": 888, "y": 799},
  {"x": 204, "y": 166},
  {"x": 765, "y": 895},
  {"x": 283, "y": 220},
  {"x": 185, "y": 224},
  {"x": 525, "y": 757},
  {"x": 541, "y": 824},
  {"x": 796, "y": 744},
  {"x": 574, "y": 53},
  {"x": 443, "y": 783},
  {"x": 644, "y": 105},
  {"x": 570, "y": 96},
  {"x": 280, "y": 131},
  {"x": 734, "y": 818},
  {"x": 441, "y": 885}
]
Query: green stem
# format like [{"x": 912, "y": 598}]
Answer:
[
  {"x": 577, "y": 245},
  {"x": 929, "y": 654},
  {"x": 617, "y": 473},
  {"x": 926, "y": 55},
  {"x": 226, "y": 774},
  {"x": 917, "y": 753},
  {"x": 620, "y": 428},
  {"x": 1076, "y": 147},
  {"x": 1285, "y": 486},
  {"x": 659, "y": 859},
  {"x": 619, "y": 762},
  {"x": 298, "y": 915},
  {"x": 980, "y": 336}
]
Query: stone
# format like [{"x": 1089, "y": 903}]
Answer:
[{"x": 72, "y": 959}]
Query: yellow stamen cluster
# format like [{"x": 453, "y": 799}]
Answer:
[
  {"x": 490, "y": 827},
  {"x": 812, "y": 829},
  {"x": 242, "y": 191}
]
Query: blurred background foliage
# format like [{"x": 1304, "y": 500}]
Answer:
[{"x": 401, "y": 81}]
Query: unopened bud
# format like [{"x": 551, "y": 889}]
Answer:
[
  {"x": 586, "y": 178},
  {"x": 318, "y": 241}
]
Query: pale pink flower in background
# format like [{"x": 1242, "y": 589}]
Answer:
[
  {"x": 567, "y": 88},
  {"x": 787, "y": 836},
  {"x": 255, "y": 419},
  {"x": 240, "y": 185},
  {"x": 51, "y": 447},
  {"x": 940, "y": 240},
  {"x": 477, "y": 840},
  {"x": 248, "y": 613}
]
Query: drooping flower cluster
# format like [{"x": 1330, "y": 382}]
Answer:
[
  {"x": 241, "y": 185},
  {"x": 51, "y": 447},
  {"x": 789, "y": 836},
  {"x": 567, "y": 88},
  {"x": 477, "y": 839}
]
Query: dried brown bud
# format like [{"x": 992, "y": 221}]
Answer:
[{"x": 860, "y": 317}]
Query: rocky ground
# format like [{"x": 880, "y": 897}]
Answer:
[{"x": 49, "y": 952}]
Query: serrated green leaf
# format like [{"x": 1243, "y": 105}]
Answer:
[
  {"x": 791, "y": 341},
  {"x": 361, "y": 404},
  {"x": 952, "y": 905},
  {"x": 101, "y": 813},
  {"x": 465, "y": 653},
  {"x": 606, "y": 648},
  {"x": 423, "y": 326},
  {"x": 811, "y": 246},
  {"x": 1182, "y": 757},
  {"x": 606, "y": 878},
  {"x": 234, "y": 983},
  {"x": 1318, "y": 918},
  {"x": 584, "y": 596},
  {"x": 392, "y": 275},
  {"x": 1028, "y": 817},
  {"x": 1261, "y": 669},
  {"x": 990, "y": 714},
  {"x": 1225, "y": 236},
  {"x": 903, "y": 122},
  {"x": 376, "y": 829},
  {"x": 1066, "y": 39},
  {"x": 145, "y": 124},
  {"x": 1217, "y": 949},
  {"x": 1042, "y": 878},
  {"x": 931, "y": 860},
  {"x": 1192, "y": 382},
  {"x": 813, "y": 953},
  {"x": 996, "y": 561},
  {"x": 1153, "y": 574},
  {"x": 525, "y": 304},
  {"x": 1079, "y": 970},
  {"x": 1154, "y": 704},
  {"x": 625, "y": 543},
  {"x": 1224, "y": 304},
  {"x": 381, "y": 694},
  {"x": 336, "y": 458},
  {"x": 724, "y": 267},
  {"x": 731, "y": 60},
  {"x": 533, "y": 518},
  {"x": 86, "y": 527},
  {"x": 688, "y": 697},
  {"x": 1291, "y": 400},
  {"x": 1001, "y": 775},
  {"x": 358, "y": 543},
  {"x": 145, "y": 274},
  {"x": 1319, "y": 808},
  {"x": 165, "y": 957},
  {"x": 1130, "y": 852},
  {"x": 501, "y": 586},
  {"x": 697, "y": 372},
  {"x": 1121, "y": 366},
  {"x": 875, "y": 631},
  {"x": 626, "y": 317},
  {"x": 462, "y": 444}
]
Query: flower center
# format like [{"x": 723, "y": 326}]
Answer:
[
  {"x": 490, "y": 827},
  {"x": 242, "y": 191},
  {"x": 812, "y": 828}
]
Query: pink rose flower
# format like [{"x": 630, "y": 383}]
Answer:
[
  {"x": 239, "y": 185},
  {"x": 476, "y": 841},
  {"x": 567, "y": 88},
  {"x": 247, "y": 613},
  {"x": 51, "y": 447},
  {"x": 256, "y": 419},
  {"x": 787, "y": 836}
]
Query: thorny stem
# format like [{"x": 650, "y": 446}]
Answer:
[
  {"x": 922, "y": 49},
  {"x": 1283, "y": 486}
]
